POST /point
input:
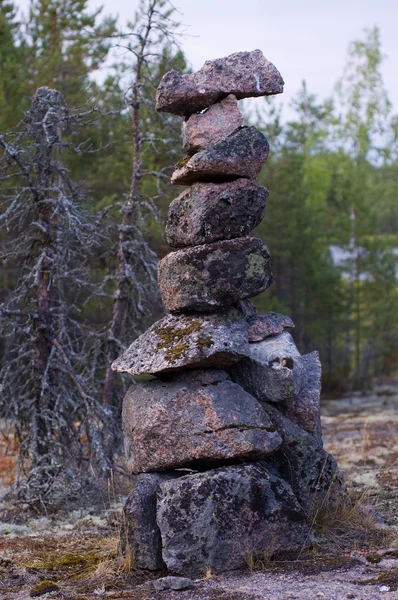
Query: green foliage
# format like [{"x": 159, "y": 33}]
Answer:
[
  {"x": 67, "y": 44},
  {"x": 13, "y": 89}
]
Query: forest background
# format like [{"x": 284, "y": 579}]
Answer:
[{"x": 84, "y": 195}]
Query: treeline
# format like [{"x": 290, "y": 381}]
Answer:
[{"x": 84, "y": 168}]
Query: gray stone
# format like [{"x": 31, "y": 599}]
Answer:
[
  {"x": 219, "y": 518},
  {"x": 303, "y": 408},
  {"x": 209, "y": 277},
  {"x": 274, "y": 371},
  {"x": 241, "y": 154},
  {"x": 172, "y": 583},
  {"x": 192, "y": 421},
  {"x": 271, "y": 323},
  {"x": 301, "y": 460},
  {"x": 140, "y": 535},
  {"x": 244, "y": 74},
  {"x": 247, "y": 308},
  {"x": 206, "y": 128},
  {"x": 268, "y": 371},
  {"x": 180, "y": 341},
  {"x": 208, "y": 212}
]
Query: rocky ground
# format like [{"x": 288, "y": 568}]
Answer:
[{"x": 78, "y": 557}]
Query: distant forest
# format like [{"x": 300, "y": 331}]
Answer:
[{"x": 84, "y": 193}]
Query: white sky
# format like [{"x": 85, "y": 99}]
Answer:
[{"x": 305, "y": 39}]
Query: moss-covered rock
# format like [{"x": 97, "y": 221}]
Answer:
[
  {"x": 241, "y": 154},
  {"x": 195, "y": 341},
  {"x": 208, "y": 212},
  {"x": 218, "y": 518},
  {"x": 209, "y": 277}
]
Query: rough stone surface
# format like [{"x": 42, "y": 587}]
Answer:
[
  {"x": 303, "y": 407},
  {"x": 140, "y": 534},
  {"x": 275, "y": 371},
  {"x": 301, "y": 460},
  {"x": 173, "y": 583},
  {"x": 247, "y": 308},
  {"x": 241, "y": 154},
  {"x": 204, "y": 129},
  {"x": 206, "y": 278},
  {"x": 244, "y": 74},
  {"x": 208, "y": 212},
  {"x": 268, "y": 371},
  {"x": 189, "y": 422},
  {"x": 272, "y": 323},
  {"x": 180, "y": 341},
  {"x": 218, "y": 518}
]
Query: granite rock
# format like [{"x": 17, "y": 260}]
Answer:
[
  {"x": 244, "y": 74},
  {"x": 206, "y": 278},
  {"x": 193, "y": 423},
  {"x": 274, "y": 371},
  {"x": 241, "y": 154},
  {"x": 172, "y": 583},
  {"x": 181, "y": 341},
  {"x": 206, "y": 128},
  {"x": 216, "y": 519},
  {"x": 208, "y": 212},
  {"x": 303, "y": 407},
  {"x": 268, "y": 371},
  {"x": 271, "y": 323},
  {"x": 140, "y": 535},
  {"x": 302, "y": 461}
]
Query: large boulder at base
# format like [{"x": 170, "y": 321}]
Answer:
[
  {"x": 219, "y": 518},
  {"x": 187, "y": 341},
  {"x": 267, "y": 371},
  {"x": 241, "y": 154},
  {"x": 209, "y": 277},
  {"x": 301, "y": 460},
  {"x": 244, "y": 74},
  {"x": 208, "y": 212},
  {"x": 204, "y": 129},
  {"x": 140, "y": 535},
  {"x": 271, "y": 323},
  {"x": 193, "y": 420}
]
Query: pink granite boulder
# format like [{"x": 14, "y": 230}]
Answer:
[
  {"x": 204, "y": 129},
  {"x": 244, "y": 74},
  {"x": 193, "y": 420}
]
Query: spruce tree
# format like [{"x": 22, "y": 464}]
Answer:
[{"x": 47, "y": 390}]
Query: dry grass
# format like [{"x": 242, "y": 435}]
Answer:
[
  {"x": 348, "y": 521},
  {"x": 208, "y": 574}
]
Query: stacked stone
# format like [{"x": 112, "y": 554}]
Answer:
[{"x": 224, "y": 443}]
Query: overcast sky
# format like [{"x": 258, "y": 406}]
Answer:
[{"x": 305, "y": 39}]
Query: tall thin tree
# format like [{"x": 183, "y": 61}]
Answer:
[{"x": 58, "y": 422}]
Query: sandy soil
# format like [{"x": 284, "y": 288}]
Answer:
[{"x": 80, "y": 554}]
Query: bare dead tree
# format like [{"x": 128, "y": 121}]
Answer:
[
  {"x": 136, "y": 297},
  {"x": 44, "y": 379}
]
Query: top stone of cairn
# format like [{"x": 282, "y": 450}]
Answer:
[{"x": 244, "y": 74}]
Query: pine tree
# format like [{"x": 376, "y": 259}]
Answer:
[
  {"x": 47, "y": 389},
  {"x": 67, "y": 44},
  {"x": 136, "y": 296},
  {"x": 13, "y": 89}
]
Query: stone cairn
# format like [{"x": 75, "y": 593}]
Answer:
[{"x": 224, "y": 442}]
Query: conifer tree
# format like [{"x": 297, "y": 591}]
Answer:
[
  {"x": 136, "y": 296},
  {"x": 13, "y": 88},
  {"x": 47, "y": 390},
  {"x": 67, "y": 44}
]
